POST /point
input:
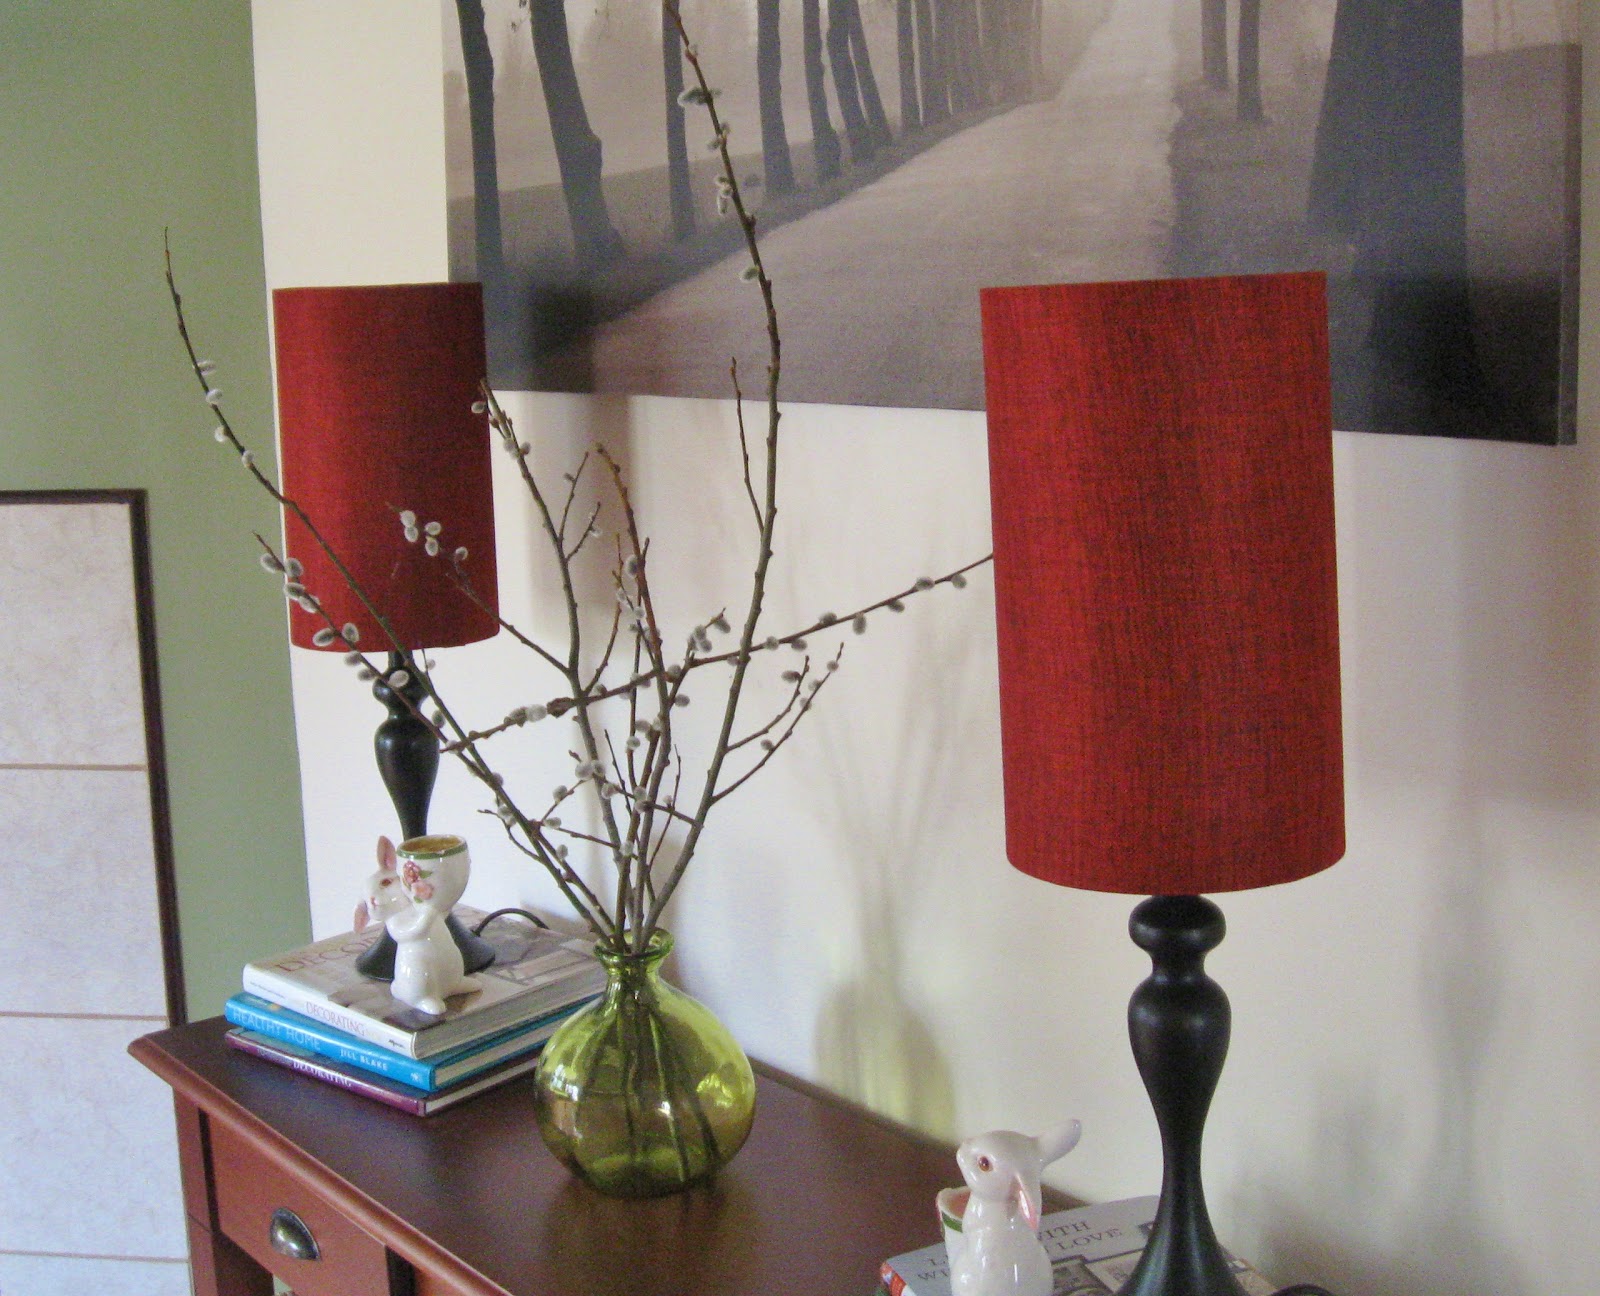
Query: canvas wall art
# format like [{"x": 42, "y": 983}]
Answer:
[{"x": 904, "y": 153}]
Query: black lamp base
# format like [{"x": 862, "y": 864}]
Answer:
[
  {"x": 1179, "y": 1022},
  {"x": 408, "y": 760},
  {"x": 377, "y": 963}
]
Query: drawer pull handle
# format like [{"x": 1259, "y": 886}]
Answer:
[{"x": 289, "y": 1236}]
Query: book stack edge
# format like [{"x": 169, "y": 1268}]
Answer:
[{"x": 311, "y": 1011}]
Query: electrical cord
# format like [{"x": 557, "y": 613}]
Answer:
[{"x": 533, "y": 918}]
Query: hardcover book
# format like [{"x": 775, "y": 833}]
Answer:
[
  {"x": 535, "y": 973},
  {"x": 391, "y": 1092},
  {"x": 1092, "y": 1251},
  {"x": 264, "y": 1017}
]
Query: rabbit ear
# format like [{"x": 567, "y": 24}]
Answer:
[
  {"x": 362, "y": 916},
  {"x": 1056, "y": 1143},
  {"x": 1025, "y": 1191},
  {"x": 386, "y": 855}
]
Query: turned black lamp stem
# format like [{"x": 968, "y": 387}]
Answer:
[
  {"x": 408, "y": 760},
  {"x": 1179, "y": 1020},
  {"x": 407, "y": 751}
]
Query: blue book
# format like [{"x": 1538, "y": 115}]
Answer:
[{"x": 428, "y": 1074}]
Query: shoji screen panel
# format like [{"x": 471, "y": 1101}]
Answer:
[{"x": 89, "y": 1196}]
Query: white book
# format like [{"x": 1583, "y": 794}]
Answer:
[
  {"x": 1092, "y": 1250},
  {"x": 535, "y": 972}
]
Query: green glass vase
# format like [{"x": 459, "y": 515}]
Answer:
[{"x": 643, "y": 1092}]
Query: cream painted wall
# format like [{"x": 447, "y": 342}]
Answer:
[{"x": 1410, "y": 1106}]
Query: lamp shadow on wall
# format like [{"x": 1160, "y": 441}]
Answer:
[
  {"x": 1435, "y": 1210},
  {"x": 890, "y": 817},
  {"x": 1472, "y": 675}
]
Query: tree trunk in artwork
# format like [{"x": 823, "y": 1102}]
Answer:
[
  {"x": 963, "y": 52},
  {"x": 681, "y": 194},
  {"x": 1010, "y": 47},
  {"x": 1214, "y": 43},
  {"x": 1250, "y": 61},
  {"x": 856, "y": 128},
  {"x": 992, "y": 47},
  {"x": 934, "y": 95},
  {"x": 487, "y": 237},
  {"x": 944, "y": 52},
  {"x": 594, "y": 240},
  {"x": 824, "y": 140},
  {"x": 769, "y": 83},
  {"x": 1388, "y": 177},
  {"x": 861, "y": 57},
  {"x": 905, "y": 36},
  {"x": 1036, "y": 47}
]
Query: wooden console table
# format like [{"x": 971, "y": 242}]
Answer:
[{"x": 469, "y": 1202}]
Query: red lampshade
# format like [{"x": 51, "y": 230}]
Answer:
[
  {"x": 1161, "y": 474},
  {"x": 375, "y": 393}
]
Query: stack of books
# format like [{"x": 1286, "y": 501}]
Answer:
[{"x": 310, "y": 1010}]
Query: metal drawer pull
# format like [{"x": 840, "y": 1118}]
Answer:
[{"x": 289, "y": 1236}]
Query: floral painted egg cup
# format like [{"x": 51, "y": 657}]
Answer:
[
  {"x": 434, "y": 869},
  {"x": 428, "y": 966}
]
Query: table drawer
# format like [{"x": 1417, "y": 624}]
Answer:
[{"x": 254, "y": 1193}]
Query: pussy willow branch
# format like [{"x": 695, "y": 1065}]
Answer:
[
  {"x": 661, "y": 748},
  {"x": 649, "y": 858},
  {"x": 560, "y": 704},
  {"x": 467, "y": 751},
  {"x": 811, "y": 689},
  {"x": 573, "y": 478},
  {"x": 460, "y": 743},
  {"x": 248, "y": 458},
  {"x": 769, "y": 502},
  {"x": 744, "y": 440},
  {"x": 572, "y": 668},
  {"x": 795, "y": 696}
]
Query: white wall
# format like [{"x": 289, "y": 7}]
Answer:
[{"x": 1410, "y": 1105}]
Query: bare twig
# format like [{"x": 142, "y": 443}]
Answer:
[
  {"x": 771, "y": 748},
  {"x": 744, "y": 441},
  {"x": 650, "y": 833},
  {"x": 572, "y": 494}
]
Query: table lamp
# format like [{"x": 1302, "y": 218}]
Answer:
[
  {"x": 376, "y": 388},
  {"x": 1161, "y": 475}
]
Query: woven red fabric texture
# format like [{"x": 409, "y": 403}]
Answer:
[
  {"x": 375, "y": 394},
  {"x": 1161, "y": 473}
]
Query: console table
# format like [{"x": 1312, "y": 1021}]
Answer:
[{"x": 469, "y": 1203}]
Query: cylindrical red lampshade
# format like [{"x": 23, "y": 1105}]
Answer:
[
  {"x": 1161, "y": 475},
  {"x": 375, "y": 393}
]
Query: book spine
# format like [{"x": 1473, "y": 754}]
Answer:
[
  {"x": 892, "y": 1282},
  {"x": 354, "y": 1084},
  {"x": 282, "y": 991},
  {"x": 380, "y": 1061}
]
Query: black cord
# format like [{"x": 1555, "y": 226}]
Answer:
[
  {"x": 536, "y": 921},
  {"x": 1303, "y": 1289}
]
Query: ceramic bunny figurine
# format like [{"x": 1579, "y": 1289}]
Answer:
[
  {"x": 412, "y": 893},
  {"x": 384, "y": 895},
  {"x": 997, "y": 1251}
]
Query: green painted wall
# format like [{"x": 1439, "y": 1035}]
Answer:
[{"x": 119, "y": 118}]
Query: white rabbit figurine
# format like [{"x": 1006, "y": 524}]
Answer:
[
  {"x": 412, "y": 900},
  {"x": 998, "y": 1252},
  {"x": 384, "y": 895}
]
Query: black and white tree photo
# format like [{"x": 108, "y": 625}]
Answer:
[{"x": 901, "y": 154}]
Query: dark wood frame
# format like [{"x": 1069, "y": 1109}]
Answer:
[{"x": 469, "y": 1203}]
